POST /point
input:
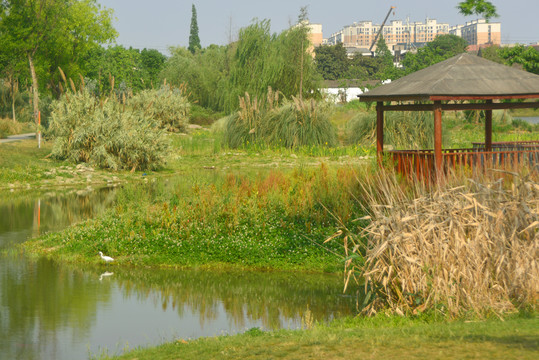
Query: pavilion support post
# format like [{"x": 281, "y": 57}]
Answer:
[
  {"x": 379, "y": 131},
  {"x": 488, "y": 128},
  {"x": 438, "y": 160}
]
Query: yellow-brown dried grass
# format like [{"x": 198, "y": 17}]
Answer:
[{"x": 462, "y": 249}]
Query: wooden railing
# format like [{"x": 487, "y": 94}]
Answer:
[
  {"x": 516, "y": 145},
  {"x": 504, "y": 156}
]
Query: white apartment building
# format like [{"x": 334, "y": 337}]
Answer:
[
  {"x": 479, "y": 33},
  {"x": 362, "y": 34},
  {"x": 315, "y": 34}
]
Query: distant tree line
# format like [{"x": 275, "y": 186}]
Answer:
[
  {"x": 37, "y": 37},
  {"x": 217, "y": 76},
  {"x": 333, "y": 63}
]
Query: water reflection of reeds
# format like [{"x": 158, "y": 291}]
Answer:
[
  {"x": 271, "y": 298},
  {"x": 38, "y": 213}
]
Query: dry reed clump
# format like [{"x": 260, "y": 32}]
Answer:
[
  {"x": 9, "y": 127},
  {"x": 458, "y": 249}
]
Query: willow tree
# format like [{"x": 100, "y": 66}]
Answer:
[
  {"x": 263, "y": 60},
  {"x": 478, "y": 7},
  {"x": 252, "y": 70},
  {"x": 45, "y": 32}
]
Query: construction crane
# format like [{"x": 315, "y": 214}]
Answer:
[{"x": 381, "y": 28}]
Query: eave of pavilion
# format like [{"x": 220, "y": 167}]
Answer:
[{"x": 464, "y": 82}]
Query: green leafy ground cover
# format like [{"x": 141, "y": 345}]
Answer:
[{"x": 272, "y": 219}]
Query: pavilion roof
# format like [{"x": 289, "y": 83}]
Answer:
[{"x": 461, "y": 77}]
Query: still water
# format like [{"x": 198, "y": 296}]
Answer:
[
  {"x": 530, "y": 119},
  {"x": 53, "y": 311}
]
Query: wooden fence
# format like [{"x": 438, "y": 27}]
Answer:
[{"x": 504, "y": 156}]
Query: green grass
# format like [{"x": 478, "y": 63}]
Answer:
[
  {"x": 462, "y": 133},
  {"x": 25, "y": 166},
  {"x": 366, "y": 338},
  {"x": 22, "y": 161}
]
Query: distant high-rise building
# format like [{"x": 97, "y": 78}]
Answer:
[
  {"x": 316, "y": 37},
  {"x": 363, "y": 33},
  {"x": 315, "y": 34},
  {"x": 478, "y": 33}
]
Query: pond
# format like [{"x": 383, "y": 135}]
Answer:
[
  {"x": 530, "y": 119},
  {"x": 53, "y": 311}
]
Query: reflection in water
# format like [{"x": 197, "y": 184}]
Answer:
[
  {"x": 105, "y": 274},
  {"x": 50, "y": 311},
  {"x": 24, "y": 216},
  {"x": 43, "y": 306},
  {"x": 273, "y": 299}
]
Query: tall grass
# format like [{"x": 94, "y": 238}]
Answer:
[
  {"x": 300, "y": 123},
  {"x": 461, "y": 249},
  {"x": 9, "y": 127},
  {"x": 294, "y": 124},
  {"x": 245, "y": 126},
  {"x": 408, "y": 130}
]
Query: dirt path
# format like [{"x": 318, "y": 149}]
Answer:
[{"x": 18, "y": 137}]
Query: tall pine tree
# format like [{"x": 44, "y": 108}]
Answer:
[{"x": 194, "y": 40}]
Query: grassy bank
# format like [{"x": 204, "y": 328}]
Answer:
[
  {"x": 25, "y": 166},
  {"x": 367, "y": 338}
]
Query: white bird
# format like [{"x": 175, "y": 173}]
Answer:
[{"x": 106, "y": 258}]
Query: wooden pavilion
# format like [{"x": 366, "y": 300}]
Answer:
[{"x": 463, "y": 82}]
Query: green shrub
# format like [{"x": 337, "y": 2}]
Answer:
[
  {"x": 105, "y": 133},
  {"x": 166, "y": 105},
  {"x": 203, "y": 116},
  {"x": 408, "y": 130}
]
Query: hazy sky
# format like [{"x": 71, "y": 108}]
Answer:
[{"x": 158, "y": 24}]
